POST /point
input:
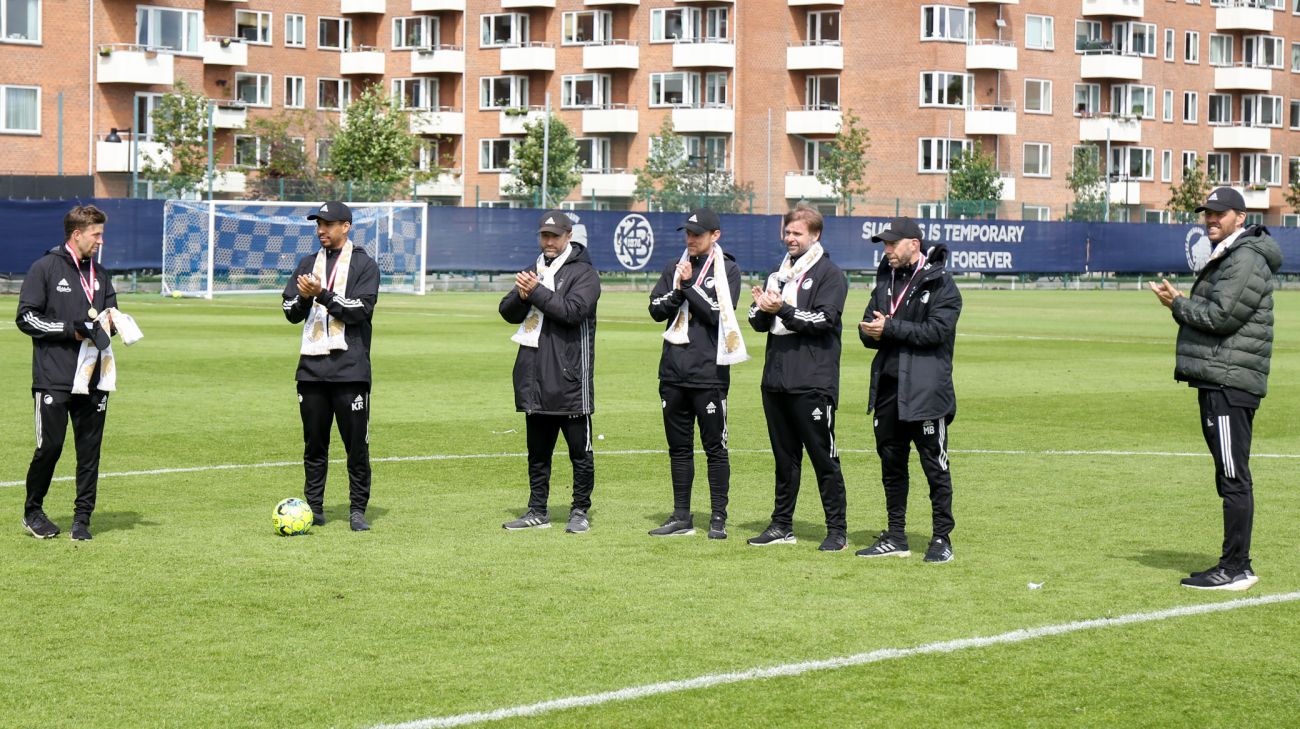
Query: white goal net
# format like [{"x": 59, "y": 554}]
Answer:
[{"x": 223, "y": 247}]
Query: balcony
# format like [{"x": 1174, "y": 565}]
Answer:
[
  {"x": 514, "y": 4},
  {"x": 443, "y": 120},
  {"x": 994, "y": 2},
  {"x": 1244, "y": 15},
  {"x": 1118, "y": 129},
  {"x": 611, "y": 119},
  {"x": 361, "y": 61},
  {"x": 813, "y": 120},
  {"x": 229, "y": 115},
  {"x": 356, "y": 7},
  {"x": 131, "y": 64},
  {"x": 1008, "y": 188},
  {"x": 801, "y": 3},
  {"x": 814, "y": 56},
  {"x": 995, "y": 119},
  {"x": 450, "y": 183},
  {"x": 505, "y": 181},
  {"x": 440, "y": 59},
  {"x": 612, "y": 54},
  {"x": 716, "y": 53},
  {"x": 117, "y": 156},
  {"x": 1112, "y": 8},
  {"x": 1243, "y": 137},
  {"x": 803, "y": 185},
  {"x": 512, "y": 121},
  {"x": 437, "y": 6},
  {"x": 612, "y": 2},
  {"x": 1242, "y": 78},
  {"x": 1107, "y": 64},
  {"x": 528, "y": 57},
  {"x": 228, "y": 180},
  {"x": 695, "y": 120},
  {"x": 1255, "y": 198},
  {"x": 1125, "y": 192},
  {"x": 222, "y": 51},
  {"x": 608, "y": 183},
  {"x": 996, "y": 55}
]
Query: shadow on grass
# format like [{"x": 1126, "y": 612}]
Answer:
[
  {"x": 112, "y": 521},
  {"x": 1168, "y": 559},
  {"x": 341, "y": 514}
]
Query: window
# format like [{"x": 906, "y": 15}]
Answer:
[
  {"x": 178, "y": 30},
  {"x": 295, "y": 92},
  {"x": 674, "y": 89},
  {"x": 1290, "y": 220},
  {"x": 1169, "y": 44},
  {"x": 1191, "y": 102},
  {"x": 935, "y": 153},
  {"x": 1038, "y": 160},
  {"x": 333, "y": 34},
  {"x": 494, "y": 154},
  {"x": 1039, "y": 32},
  {"x": 1133, "y": 100},
  {"x": 674, "y": 24},
  {"x": 1261, "y": 169},
  {"x": 20, "y": 109},
  {"x": 715, "y": 23},
  {"x": 1131, "y": 163},
  {"x": 502, "y": 92},
  {"x": 1035, "y": 212},
  {"x": 940, "y": 88},
  {"x": 1167, "y": 165},
  {"x": 1262, "y": 51},
  {"x": 931, "y": 210},
  {"x": 1134, "y": 38},
  {"x": 1293, "y": 169},
  {"x": 1189, "y": 160},
  {"x": 20, "y": 21},
  {"x": 1295, "y": 58},
  {"x": 1294, "y": 117},
  {"x": 822, "y": 92},
  {"x": 1087, "y": 35},
  {"x": 715, "y": 89},
  {"x": 588, "y": 27},
  {"x": 1169, "y": 105},
  {"x": 814, "y": 151},
  {"x": 253, "y": 89},
  {"x": 593, "y": 154},
  {"x": 503, "y": 29},
  {"x": 416, "y": 93},
  {"x": 824, "y": 27},
  {"x": 947, "y": 23},
  {"x": 249, "y": 151},
  {"x": 708, "y": 151},
  {"x": 585, "y": 91},
  {"x": 1218, "y": 167},
  {"x": 1259, "y": 110},
  {"x": 1192, "y": 47},
  {"x": 295, "y": 30},
  {"x": 1155, "y": 216},
  {"x": 1087, "y": 99},
  {"x": 1220, "y": 109},
  {"x": 416, "y": 32},
  {"x": 1220, "y": 50},
  {"x": 1038, "y": 96},
  {"x": 253, "y": 26},
  {"x": 145, "y": 105},
  {"x": 333, "y": 94}
]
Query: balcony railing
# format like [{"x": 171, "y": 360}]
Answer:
[
  {"x": 128, "y": 63},
  {"x": 814, "y": 56},
  {"x": 611, "y": 54},
  {"x": 986, "y": 54},
  {"x": 438, "y": 59}
]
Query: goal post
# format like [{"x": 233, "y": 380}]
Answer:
[{"x": 225, "y": 247}]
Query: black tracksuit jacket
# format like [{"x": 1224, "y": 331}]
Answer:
[
  {"x": 694, "y": 364},
  {"x": 354, "y": 310},
  {"x": 807, "y": 359},
  {"x": 51, "y": 305}
]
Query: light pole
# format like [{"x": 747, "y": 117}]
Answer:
[
  {"x": 115, "y": 137},
  {"x": 211, "y": 106}
]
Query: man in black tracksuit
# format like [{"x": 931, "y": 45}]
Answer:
[
  {"x": 911, "y": 322},
  {"x": 334, "y": 384},
  {"x": 692, "y": 385},
  {"x": 801, "y": 308},
  {"x": 61, "y": 296},
  {"x": 554, "y": 304}
]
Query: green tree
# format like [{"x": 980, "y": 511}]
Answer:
[
  {"x": 706, "y": 182},
  {"x": 1087, "y": 180},
  {"x": 1184, "y": 198},
  {"x": 659, "y": 182},
  {"x": 180, "y": 125},
  {"x": 974, "y": 184},
  {"x": 1292, "y": 192},
  {"x": 559, "y": 160},
  {"x": 843, "y": 165},
  {"x": 374, "y": 146}
]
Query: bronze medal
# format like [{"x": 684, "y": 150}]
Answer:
[{"x": 92, "y": 313}]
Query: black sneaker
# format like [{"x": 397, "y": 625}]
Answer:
[
  {"x": 578, "y": 522},
  {"x": 317, "y": 518},
  {"x": 39, "y": 526},
  {"x": 717, "y": 528},
  {"x": 772, "y": 535},
  {"x": 676, "y": 526},
  {"x": 532, "y": 519},
  {"x": 358, "y": 522},
  {"x": 834, "y": 542},
  {"x": 81, "y": 531},
  {"x": 939, "y": 551},
  {"x": 886, "y": 545},
  {"x": 1204, "y": 571},
  {"x": 1222, "y": 579}
]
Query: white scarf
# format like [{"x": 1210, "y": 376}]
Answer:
[
  {"x": 322, "y": 333},
  {"x": 787, "y": 278},
  {"x": 530, "y": 330},
  {"x": 731, "y": 345},
  {"x": 90, "y": 355}
]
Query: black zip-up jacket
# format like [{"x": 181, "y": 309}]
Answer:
[
  {"x": 694, "y": 364},
  {"x": 355, "y": 311},
  {"x": 923, "y": 332},
  {"x": 51, "y": 306},
  {"x": 555, "y": 377},
  {"x": 807, "y": 359}
]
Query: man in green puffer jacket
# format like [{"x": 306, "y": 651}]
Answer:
[{"x": 1225, "y": 340}]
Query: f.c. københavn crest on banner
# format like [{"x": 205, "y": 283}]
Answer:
[
  {"x": 634, "y": 241},
  {"x": 1198, "y": 248}
]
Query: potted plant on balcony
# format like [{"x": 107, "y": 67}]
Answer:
[
  {"x": 105, "y": 51},
  {"x": 516, "y": 111},
  {"x": 225, "y": 42}
]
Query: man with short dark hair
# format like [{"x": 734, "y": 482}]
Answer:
[
  {"x": 333, "y": 292},
  {"x": 60, "y": 306},
  {"x": 1225, "y": 343},
  {"x": 554, "y": 304}
]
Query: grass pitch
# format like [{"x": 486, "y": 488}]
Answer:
[{"x": 186, "y": 609}]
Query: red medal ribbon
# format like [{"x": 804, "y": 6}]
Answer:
[
  {"x": 707, "y": 264},
  {"x": 329, "y": 285},
  {"x": 894, "y": 303},
  {"x": 87, "y": 286}
]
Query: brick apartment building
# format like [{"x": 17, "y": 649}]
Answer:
[{"x": 756, "y": 87}]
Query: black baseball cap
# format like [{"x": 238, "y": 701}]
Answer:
[
  {"x": 556, "y": 222},
  {"x": 701, "y": 220},
  {"x": 1223, "y": 198},
  {"x": 898, "y": 229},
  {"x": 332, "y": 211}
]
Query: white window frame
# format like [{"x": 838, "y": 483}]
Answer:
[
  {"x": 691, "y": 24},
  {"x": 1167, "y": 165},
  {"x": 295, "y": 92},
  {"x": 1086, "y": 32},
  {"x": 690, "y": 89},
  {"x": 5, "y": 90},
  {"x": 598, "y": 152},
  {"x": 1216, "y": 173},
  {"x": 1295, "y": 58},
  {"x": 814, "y": 151},
  {"x": 261, "y": 85},
  {"x": 1040, "y": 213},
  {"x": 1046, "y": 40},
  {"x": 489, "y": 148},
  {"x": 1219, "y": 110},
  {"x": 192, "y": 21},
  {"x": 517, "y": 34},
  {"x": 344, "y": 32},
  {"x": 815, "y": 88},
  {"x": 261, "y": 27},
  {"x": 1042, "y": 152},
  {"x": 428, "y": 28},
  {"x": 1262, "y": 110},
  {"x": 938, "y": 85},
  {"x": 1124, "y": 98},
  {"x": 1224, "y": 43},
  {"x": 343, "y": 87},
  {"x": 1133, "y": 38},
  {"x": 1091, "y": 99},
  {"x": 5, "y": 31},
  {"x": 295, "y": 30},
  {"x": 1189, "y": 158},
  {"x": 1044, "y": 96},
  {"x": 1191, "y": 107},
  {"x": 816, "y": 19},
  {"x": 260, "y": 156},
  {"x": 518, "y": 92},
  {"x": 1261, "y": 169},
  {"x": 1167, "y": 113},
  {"x": 602, "y": 28},
  {"x": 426, "y": 89},
  {"x": 947, "y": 23},
  {"x": 1122, "y": 159},
  {"x": 1263, "y": 51},
  {"x": 717, "y": 21},
  {"x": 602, "y": 85},
  {"x": 716, "y": 95},
  {"x": 1293, "y": 114},
  {"x": 1169, "y": 44},
  {"x": 146, "y": 103},
  {"x": 942, "y": 150},
  {"x": 1192, "y": 47}
]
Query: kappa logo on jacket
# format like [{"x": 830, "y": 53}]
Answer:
[
  {"x": 358, "y": 404},
  {"x": 817, "y": 414},
  {"x": 63, "y": 287}
]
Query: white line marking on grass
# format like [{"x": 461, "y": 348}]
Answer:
[
  {"x": 860, "y": 659},
  {"x": 635, "y": 452}
]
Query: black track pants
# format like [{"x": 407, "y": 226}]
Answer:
[
  {"x": 321, "y": 404},
  {"x": 88, "y": 413},
  {"x": 543, "y": 430},
  {"x": 797, "y": 422},
  {"x": 682, "y": 407},
  {"x": 1227, "y": 430},
  {"x": 894, "y": 439}
]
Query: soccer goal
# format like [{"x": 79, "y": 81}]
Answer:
[{"x": 226, "y": 247}]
